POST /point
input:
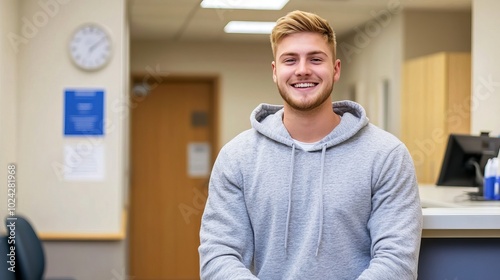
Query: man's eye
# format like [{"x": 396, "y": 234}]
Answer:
[
  {"x": 316, "y": 60},
  {"x": 289, "y": 60}
]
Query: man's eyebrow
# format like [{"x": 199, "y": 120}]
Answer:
[
  {"x": 288, "y": 54},
  {"x": 309, "y": 53},
  {"x": 317, "y": 52}
]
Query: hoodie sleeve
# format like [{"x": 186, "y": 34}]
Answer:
[
  {"x": 395, "y": 224},
  {"x": 226, "y": 235}
]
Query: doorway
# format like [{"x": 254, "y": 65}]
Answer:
[{"x": 173, "y": 142}]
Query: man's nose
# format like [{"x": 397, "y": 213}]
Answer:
[{"x": 302, "y": 68}]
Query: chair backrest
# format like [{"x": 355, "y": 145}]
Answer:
[
  {"x": 30, "y": 257},
  {"x": 5, "y": 262}
]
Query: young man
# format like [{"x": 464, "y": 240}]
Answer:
[{"x": 312, "y": 191}]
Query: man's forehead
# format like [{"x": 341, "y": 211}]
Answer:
[{"x": 288, "y": 47}]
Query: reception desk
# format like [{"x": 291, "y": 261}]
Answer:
[
  {"x": 461, "y": 238},
  {"x": 449, "y": 212}
]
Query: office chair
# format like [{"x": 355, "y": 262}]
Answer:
[
  {"x": 30, "y": 256},
  {"x": 5, "y": 274}
]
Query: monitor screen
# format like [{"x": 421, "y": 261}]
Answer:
[{"x": 465, "y": 159}]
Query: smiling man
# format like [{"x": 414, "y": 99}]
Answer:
[{"x": 313, "y": 190}]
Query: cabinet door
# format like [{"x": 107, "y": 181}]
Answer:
[
  {"x": 458, "y": 116},
  {"x": 434, "y": 104}
]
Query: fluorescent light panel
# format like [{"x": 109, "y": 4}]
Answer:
[
  {"x": 249, "y": 27},
  {"x": 244, "y": 4}
]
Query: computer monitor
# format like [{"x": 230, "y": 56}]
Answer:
[{"x": 465, "y": 159}]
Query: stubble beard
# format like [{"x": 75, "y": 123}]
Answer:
[{"x": 306, "y": 106}]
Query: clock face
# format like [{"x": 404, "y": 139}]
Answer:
[{"x": 90, "y": 47}]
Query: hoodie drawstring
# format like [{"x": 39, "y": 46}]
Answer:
[
  {"x": 320, "y": 194},
  {"x": 292, "y": 164}
]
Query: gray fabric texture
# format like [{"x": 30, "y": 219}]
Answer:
[{"x": 348, "y": 209}]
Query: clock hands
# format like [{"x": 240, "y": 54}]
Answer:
[{"x": 96, "y": 44}]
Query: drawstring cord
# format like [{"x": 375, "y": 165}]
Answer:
[
  {"x": 320, "y": 231},
  {"x": 289, "y": 197}
]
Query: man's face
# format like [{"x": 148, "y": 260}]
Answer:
[{"x": 304, "y": 70}]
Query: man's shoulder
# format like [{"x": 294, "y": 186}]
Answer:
[
  {"x": 379, "y": 137},
  {"x": 244, "y": 139}
]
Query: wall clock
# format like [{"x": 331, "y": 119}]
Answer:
[{"x": 90, "y": 47}]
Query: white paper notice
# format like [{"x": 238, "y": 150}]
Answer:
[
  {"x": 198, "y": 159},
  {"x": 83, "y": 162}
]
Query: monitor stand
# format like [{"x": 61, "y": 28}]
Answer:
[{"x": 477, "y": 183}]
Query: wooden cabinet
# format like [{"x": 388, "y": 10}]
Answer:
[{"x": 436, "y": 101}]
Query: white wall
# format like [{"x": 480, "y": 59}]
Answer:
[
  {"x": 428, "y": 32},
  {"x": 377, "y": 50},
  {"x": 485, "y": 71},
  {"x": 52, "y": 203},
  {"x": 244, "y": 69},
  {"x": 371, "y": 54},
  {"x": 46, "y": 71},
  {"x": 8, "y": 96}
]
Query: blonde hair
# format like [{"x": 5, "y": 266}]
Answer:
[{"x": 299, "y": 21}]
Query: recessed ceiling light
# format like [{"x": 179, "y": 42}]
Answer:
[
  {"x": 244, "y": 4},
  {"x": 249, "y": 27}
]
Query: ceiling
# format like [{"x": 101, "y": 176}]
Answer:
[{"x": 185, "y": 20}]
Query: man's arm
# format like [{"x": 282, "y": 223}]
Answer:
[
  {"x": 226, "y": 235},
  {"x": 395, "y": 224}
]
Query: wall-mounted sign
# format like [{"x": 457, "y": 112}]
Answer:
[
  {"x": 84, "y": 162},
  {"x": 83, "y": 112},
  {"x": 198, "y": 159}
]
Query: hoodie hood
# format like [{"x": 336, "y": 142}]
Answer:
[{"x": 268, "y": 120}]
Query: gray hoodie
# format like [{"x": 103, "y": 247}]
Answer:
[{"x": 347, "y": 209}]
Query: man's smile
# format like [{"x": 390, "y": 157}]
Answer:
[{"x": 304, "y": 85}]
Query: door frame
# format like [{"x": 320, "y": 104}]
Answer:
[{"x": 153, "y": 80}]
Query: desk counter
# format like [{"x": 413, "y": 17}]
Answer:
[{"x": 449, "y": 212}]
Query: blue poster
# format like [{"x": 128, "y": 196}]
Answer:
[{"x": 84, "y": 112}]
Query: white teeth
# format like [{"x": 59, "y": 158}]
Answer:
[{"x": 304, "y": 85}]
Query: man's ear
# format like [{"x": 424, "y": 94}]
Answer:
[
  {"x": 336, "y": 70},
  {"x": 273, "y": 65}
]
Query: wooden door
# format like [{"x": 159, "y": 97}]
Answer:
[
  {"x": 424, "y": 112},
  {"x": 168, "y": 192},
  {"x": 435, "y": 102}
]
